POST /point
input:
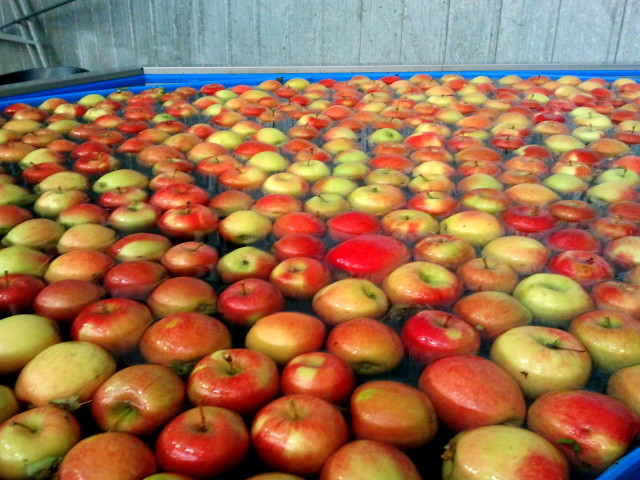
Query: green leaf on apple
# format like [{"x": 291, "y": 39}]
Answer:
[
  {"x": 575, "y": 446},
  {"x": 43, "y": 468}
]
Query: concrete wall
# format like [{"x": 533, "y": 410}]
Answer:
[{"x": 105, "y": 34}]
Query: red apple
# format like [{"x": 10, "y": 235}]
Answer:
[
  {"x": 591, "y": 429},
  {"x": 431, "y": 334},
  {"x": 298, "y": 433},
  {"x": 368, "y": 346},
  {"x": 181, "y": 339},
  {"x": 586, "y": 268},
  {"x": 367, "y": 460},
  {"x": 238, "y": 379},
  {"x": 182, "y": 294},
  {"x": 470, "y": 391},
  {"x": 116, "y": 324},
  {"x": 394, "y": 413},
  {"x": 245, "y": 301},
  {"x": 138, "y": 399},
  {"x": 322, "y": 374},
  {"x": 295, "y": 245}
]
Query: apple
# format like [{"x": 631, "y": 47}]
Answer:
[
  {"x": 33, "y": 442},
  {"x": 469, "y": 391},
  {"x": 298, "y": 433},
  {"x": 276, "y": 204},
  {"x": 300, "y": 277},
  {"x": 108, "y": 455},
  {"x": 182, "y": 294},
  {"x": 545, "y": 294},
  {"x": 284, "y": 335},
  {"x": 16, "y": 349},
  {"x": 295, "y": 245},
  {"x": 36, "y": 233},
  {"x": 476, "y": 227},
  {"x": 610, "y": 337},
  {"x": 348, "y": 299},
  {"x": 422, "y": 284},
  {"x": 622, "y": 385},
  {"x": 481, "y": 273},
  {"x": 133, "y": 279},
  {"x": 369, "y": 459},
  {"x": 394, "y": 413},
  {"x": 502, "y": 451},
  {"x": 377, "y": 200},
  {"x": 238, "y": 379},
  {"x": 350, "y": 224},
  {"x": 61, "y": 301},
  {"x": 587, "y": 268},
  {"x": 298, "y": 222},
  {"x": 525, "y": 255},
  {"x": 138, "y": 399},
  {"x": 181, "y": 339},
  {"x": 367, "y": 256},
  {"x": 618, "y": 296},
  {"x": 573, "y": 239},
  {"x": 82, "y": 213},
  {"x": 66, "y": 373},
  {"x": 369, "y": 346},
  {"x": 321, "y": 374},
  {"x": 622, "y": 252},
  {"x": 244, "y": 227},
  {"x": 431, "y": 334},
  {"x": 245, "y": 301},
  {"x": 89, "y": 265},
  {"x": 591, "y": 429},
  {"x": 245, "y": 262},
  {"x": 542, "y": 359},
  {"x": 87, "y": 236},
  {"x": 191, "y": 258},
  {"x": 17, "y": 291},
  {"x": 445, "y": 250},
  {"x": 116, "y": 324},
  {"x": 191, "y": 222}
]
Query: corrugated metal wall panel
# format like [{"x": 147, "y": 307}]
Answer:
[{"x": 103, "y": 34}]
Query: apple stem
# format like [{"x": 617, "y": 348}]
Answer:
[
  {"x": 229, "y": 359},
  {"x": 606, "y": 322},
  {"x": 294, "y": 410},
  {"x": 203, "y": 420}
]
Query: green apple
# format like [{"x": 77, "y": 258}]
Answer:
[
  {"x": 67, "y": 373},
  {"x": 33, "y": 443},
  {"x": 52, "y": 203},
  {"x": 90, "y": 100},
  {"x": 385, "y": 135},
  {"x": 63, "y": 181},
  {"x": 268, "y": 162},
  {"x": 120, "y": 178},
  {"x": 16, "y": 348},
  {"x": 244, "y": 227},
  {"x": 310, "y": 170},
  {"x": 476, "y": 227},
  {"x": 19, "y": 259},
  {"x": 553, "y": 299},
  {"x": 564, "y": 183},
  {"x": 11, "y": 194},
  {"x": 37, "y": 233},
  {"x": 271, "y": 135}
]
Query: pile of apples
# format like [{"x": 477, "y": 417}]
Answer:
[{"x": 372, "y": 278}]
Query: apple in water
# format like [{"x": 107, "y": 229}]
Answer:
[
  {"x": 284, "y": 335},
  {"x": 422, "y": 284},
  {"x": 108, "y": 455},
  {"x": 17, "y": 291},
  {"x": 244, "y": 302},
  {"x": 394, "y": 413},
  {"x": 63, "y": 300},
  {"x": 33, "y": 442},
  {"x": 238, "y": 379},
  {"x": 298, "y": 433},
  {"x": 611, "y": 338},
  {"x": 322, "y": 374},
  {"x": 348, "y": 299},
  {"x": 476, "y": 227},
  {"x": 481, "y": 273},
  {"x": 431, "y": 334},
  {"x": 369, "y": 346},
  {"x": 502, "y": 451},
  {"x": 138, "y": 399},
  {"x": 66, "y": 373},
  {"x": 9, "y": 405},
  {"x": 593, "y": 430},
  {"x": 180, "y": 339},
  {"x": 116, "y": 324},
  {"x": 133, "y": 279},
  {"x": 300, "y": 277},
  {"x": 623, "y": 386},
  {"x": 525, "y": 255},
  {"x": 245, "y": 262},
  {"x": 545, "y": 295},
  {"x": 369, "y": 460},
  {"x": 542, "y": 359},
  {"x": 469, "y": 391},
  {"x": 182, "y": 294}
]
